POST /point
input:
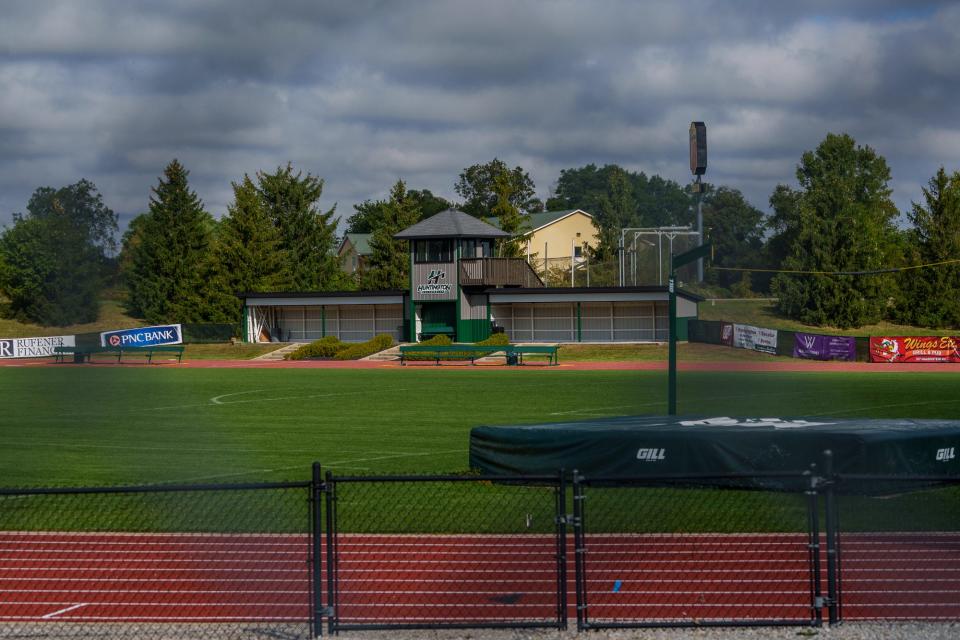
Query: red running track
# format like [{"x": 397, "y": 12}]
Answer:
[{"x": 193, "y": 578}]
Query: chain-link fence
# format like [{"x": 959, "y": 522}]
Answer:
[
  {"x": 668, "y": 553},
  {"x": 286, "y": 560},
  {"x": 157, "y": 562},
  {"x": 454, "y": 551},
  {"x": 899, "y": 548},
  {"x": 577, "y": 271}
]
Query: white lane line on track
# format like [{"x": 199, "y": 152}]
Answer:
[{"x": 61, "y": 611}]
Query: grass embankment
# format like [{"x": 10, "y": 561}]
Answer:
[
  {"x": 763, "y": 313},
  {"x": 687, "y": 352},
  {"x": 112, "y": 316}
]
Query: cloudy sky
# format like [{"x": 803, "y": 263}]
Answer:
[{"x": 363, "y": 92}]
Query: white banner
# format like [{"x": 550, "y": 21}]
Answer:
[
  {"x": 33, "y": 347},
  {"x": 746, "y": 336}
]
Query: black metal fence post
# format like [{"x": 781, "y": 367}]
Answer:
[
  {"x": 331, "y": 489},
  {"x": 813, "y": 515},
  {"x": 579, "y": 551},
  {"x": 562, "y": 550},
  {"x": 316, "y": 534},
  {"x": 830, "y": 508}
]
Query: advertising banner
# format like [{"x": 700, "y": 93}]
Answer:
[
  {"x": 914, "y": 349},
  {"x": 142, "y": 337},
  {"x": 817, "y": 347},
  {"x": 33, "y": 347},
  {"x": 746, "y": 336},
  {"x": 726, "y": 334}
]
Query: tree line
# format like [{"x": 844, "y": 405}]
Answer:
[{"x": 831, "y": 250}]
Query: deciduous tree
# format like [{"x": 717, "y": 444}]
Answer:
[
  {"x": 477, "y": 186},
  {"x": 53, "y": 260}
]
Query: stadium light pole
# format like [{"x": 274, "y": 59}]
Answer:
[{"x": 698, "y": 166}]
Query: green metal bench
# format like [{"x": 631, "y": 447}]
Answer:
[
  {"x": 552, "y": 352},
  {"x": 149, "y": 352},
  {"x": 83, "y": 354},
  {"x": 449, "y": 352},
  {"x": 472, "y": 351}
]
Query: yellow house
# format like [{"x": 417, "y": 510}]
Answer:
[{"x": 559, "y": 235}]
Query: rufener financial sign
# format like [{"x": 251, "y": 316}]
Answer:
[{"x": 33, "y": 347}]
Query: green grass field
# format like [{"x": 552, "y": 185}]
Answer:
[{"x": 81, "y": 426}]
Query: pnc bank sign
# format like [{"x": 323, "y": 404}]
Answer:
[{"x": 142, "y": 337}]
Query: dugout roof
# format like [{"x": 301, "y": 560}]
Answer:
[{"x": 652, "y": 446}]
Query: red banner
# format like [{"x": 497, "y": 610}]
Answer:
[{"x": 915, "y": 349}]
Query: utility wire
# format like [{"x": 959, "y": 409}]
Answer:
[{"x": 839, "y": 273}]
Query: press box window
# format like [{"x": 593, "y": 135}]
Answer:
[
  {"x": 433, "y": 251},
  {"x": 476, "y": 249}
]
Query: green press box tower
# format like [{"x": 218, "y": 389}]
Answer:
[{"x": 451, "y": 267}]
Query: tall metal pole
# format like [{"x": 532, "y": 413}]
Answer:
[
  {"x": 672, "y": 349},
  {"x": 700, "y": 226}
]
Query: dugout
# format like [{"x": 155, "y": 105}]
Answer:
[
  {"x": 656, "y": 446},
  {"x": 458, "y": 288}
]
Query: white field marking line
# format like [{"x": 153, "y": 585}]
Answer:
[
  {"x": 216, "y": 399},
  {"x": 396, "y": 455},
  {"x": 593, "y": 409},
  {"x": 886, "y": 406},
  {"x": 337, "y": 464},
  {"x": 57, "y": 613}
]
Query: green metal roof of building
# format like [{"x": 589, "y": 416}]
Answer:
[
  {"x": 360, "y": 242},
  {"x": 543, "y": 218}
]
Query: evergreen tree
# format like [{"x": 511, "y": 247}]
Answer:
[
  {"x": 928, "y": 297},
  {"x": 168, "y": 280},
  {"x": 248, "y": 254},
  {"x": 307, "y": 235},
  {"x": 510, "y": 218},
  {"x": 843, "y": 222},
  {"x": 389, "y": 263},
  {"x": 53, "y": 261}
]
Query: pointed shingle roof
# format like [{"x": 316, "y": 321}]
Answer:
[{"x": 451, "y": 224}]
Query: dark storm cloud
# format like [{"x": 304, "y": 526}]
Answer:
[{"x": 362, "y": 93}]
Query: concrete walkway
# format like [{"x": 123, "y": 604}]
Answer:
[{"x": 277, "y": 356}]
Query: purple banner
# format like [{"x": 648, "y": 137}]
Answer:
[{"x": 816, "y": 347}]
